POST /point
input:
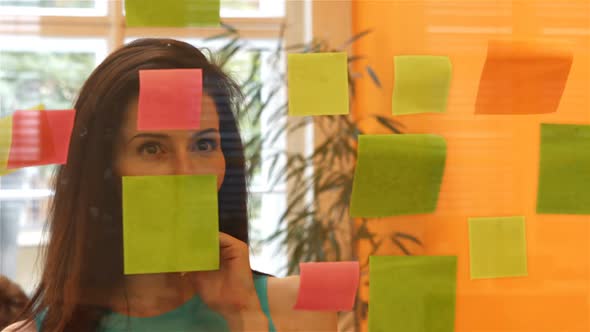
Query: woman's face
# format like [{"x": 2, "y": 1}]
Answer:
[{"x": 171, "y": 152}]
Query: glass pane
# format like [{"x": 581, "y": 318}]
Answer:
[
  {"x": 29, "y": 78},
  {"x": 252, "y": 8},
  {"x": 54, "y": 7},
  {"x": 240, "y": 4},
  {"x": 35, "y": 71},
  {"x": 49, "y": 3}
]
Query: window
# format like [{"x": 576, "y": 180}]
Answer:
[
  {"x": 252, "y": 8},
  {"x": 49, "y": 47},
  {"x": 54, "y": 7}
]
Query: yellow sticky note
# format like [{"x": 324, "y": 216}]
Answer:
[
  {"x": 497, "y": 247},
  {"x": 172, "y": 13},
  {"x": 397, "y": 175},
  {"x": 5, "y": 142},
  {"x": 412, "y": 293},
  {"x": 422, "y": 84},
  {"x": 40, "y": 107},
  {"x": 170, "y": 223},
  {"x": 317, "y": 83}
]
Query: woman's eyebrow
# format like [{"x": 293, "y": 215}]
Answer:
[
  {"x": 205, "y": 132},
  {"x": 166, "y": 137},
  {"x": 149, "y": 135}
]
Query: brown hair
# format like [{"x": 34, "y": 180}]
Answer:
[
  {"x": 12, "y": 301},
  {"x": 83, "y": 260}
]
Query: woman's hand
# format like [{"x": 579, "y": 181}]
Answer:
[{"x": 230, "y": 290}]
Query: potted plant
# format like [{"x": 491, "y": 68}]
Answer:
[{"x": 324, "y": 230}]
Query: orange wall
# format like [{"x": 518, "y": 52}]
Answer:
[{"x": 492, "y": 162}]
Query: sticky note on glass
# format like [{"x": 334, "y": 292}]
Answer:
[
  {"x": 40, "y": 137},
  {"x": 397, "y": 175},
  {"x": 172, "y": 13},
  {"x": 5, "y": 142},
  {"x": 170, "y": 223},
  {"x": 317, "y": 83},
  {"x": 523, "y": 77},
  {"x": 421, "y": 84},
  {"x": 170, "y": 99},
  {"x": 412, "y": 293},
  {"x": 327, "y": 286},
  {"x": 564, "y": 174},
  {"x": 497, "y": 247}
]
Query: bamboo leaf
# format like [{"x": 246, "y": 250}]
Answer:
[
  {"x": 229, "y": 55},
  {"x": 373, "y": 76},
  {"x": 385, "y": 122},
  {"x": 356, "y": 58},
  {"x": 354, "y": 38},
  {"x": 401, "y": 246},
  {"x": 228, "y": 27},
  {"x": 408, "y": 237},
  {"x": 219, "y": 36}
]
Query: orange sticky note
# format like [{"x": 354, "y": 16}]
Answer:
[
  {"x": 170, "y": 99},
  {"x": 327, "y": 286},
  {"x": 40, "y": 138},
  {"x": 523, "y": 77}
]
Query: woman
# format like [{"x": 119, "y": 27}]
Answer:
[{"x": 83, "y": 287}]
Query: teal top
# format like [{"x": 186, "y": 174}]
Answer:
[{"x": 192, "y": 316}]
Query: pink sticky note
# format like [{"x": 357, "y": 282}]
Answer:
[
  {"x": 40, "y": 138},
  {"x": 170, "y": 99},
  {"x": 328, "y": 286}
]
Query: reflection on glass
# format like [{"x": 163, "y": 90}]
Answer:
[
  {"x": 27, "y": 79},
  {"x": 31, "y": 78}
]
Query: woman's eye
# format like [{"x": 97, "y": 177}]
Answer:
[
  {"x": 205, "y": 144},
  {"x": 150, "y": 149}
]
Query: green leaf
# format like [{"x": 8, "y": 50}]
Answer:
[
  {"x": 228, "y": 27},
  {"x": 222, "y": 35},
  {"x": 354, "y": 38},
  {"x": 389, "y": 124},
  {"x": 401, "y": 246},
  {"x": 373, "y": 76},
  {"x": 407, "y": 237}
]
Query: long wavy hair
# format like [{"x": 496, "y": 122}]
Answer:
[{"x": 83, "y": 262}]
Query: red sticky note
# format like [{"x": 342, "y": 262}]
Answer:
[
  {"x": 523, "y": 77},
  {"x": 328, "y": 286},
  {"x": 40, "y": 138},
  {"x": 169, "y": 99}
]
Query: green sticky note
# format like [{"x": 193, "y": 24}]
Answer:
[
  {"x": 421, "y": 84},
  {"x": 397, "y": 175},
  {"x": 170, "y": 223},
  {"x": 564, "y": 175},
  {"x": 317, "y": 83},
  {"x": 5, "y": 142},
  {"x": 172, "y": 13},
  {"x": 412, "y": 293},
  {"x": 497, "y": 247}
]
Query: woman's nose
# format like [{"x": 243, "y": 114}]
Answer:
[{"x": 183, "y": 165}]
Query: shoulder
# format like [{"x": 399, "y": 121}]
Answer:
[
  {"x": 21, "y": 327},
  {"x": 282, "y": 295}
]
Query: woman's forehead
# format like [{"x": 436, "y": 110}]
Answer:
[{"x": 209, "y": 116}]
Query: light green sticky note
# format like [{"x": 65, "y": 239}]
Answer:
[
  {"x": 172, "y": 13},
  {"x": 397, "y": 175},
  {"x": 5, "y": 142},
  {"x": 564, "y": 175},
  {"x": 412, "y": 293},
  {"x": 317, "y": 83},
  {"x": 170, "y": 223},
  {"x": 421, "y": 84},
  {"x": 497, "y": 247}
]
